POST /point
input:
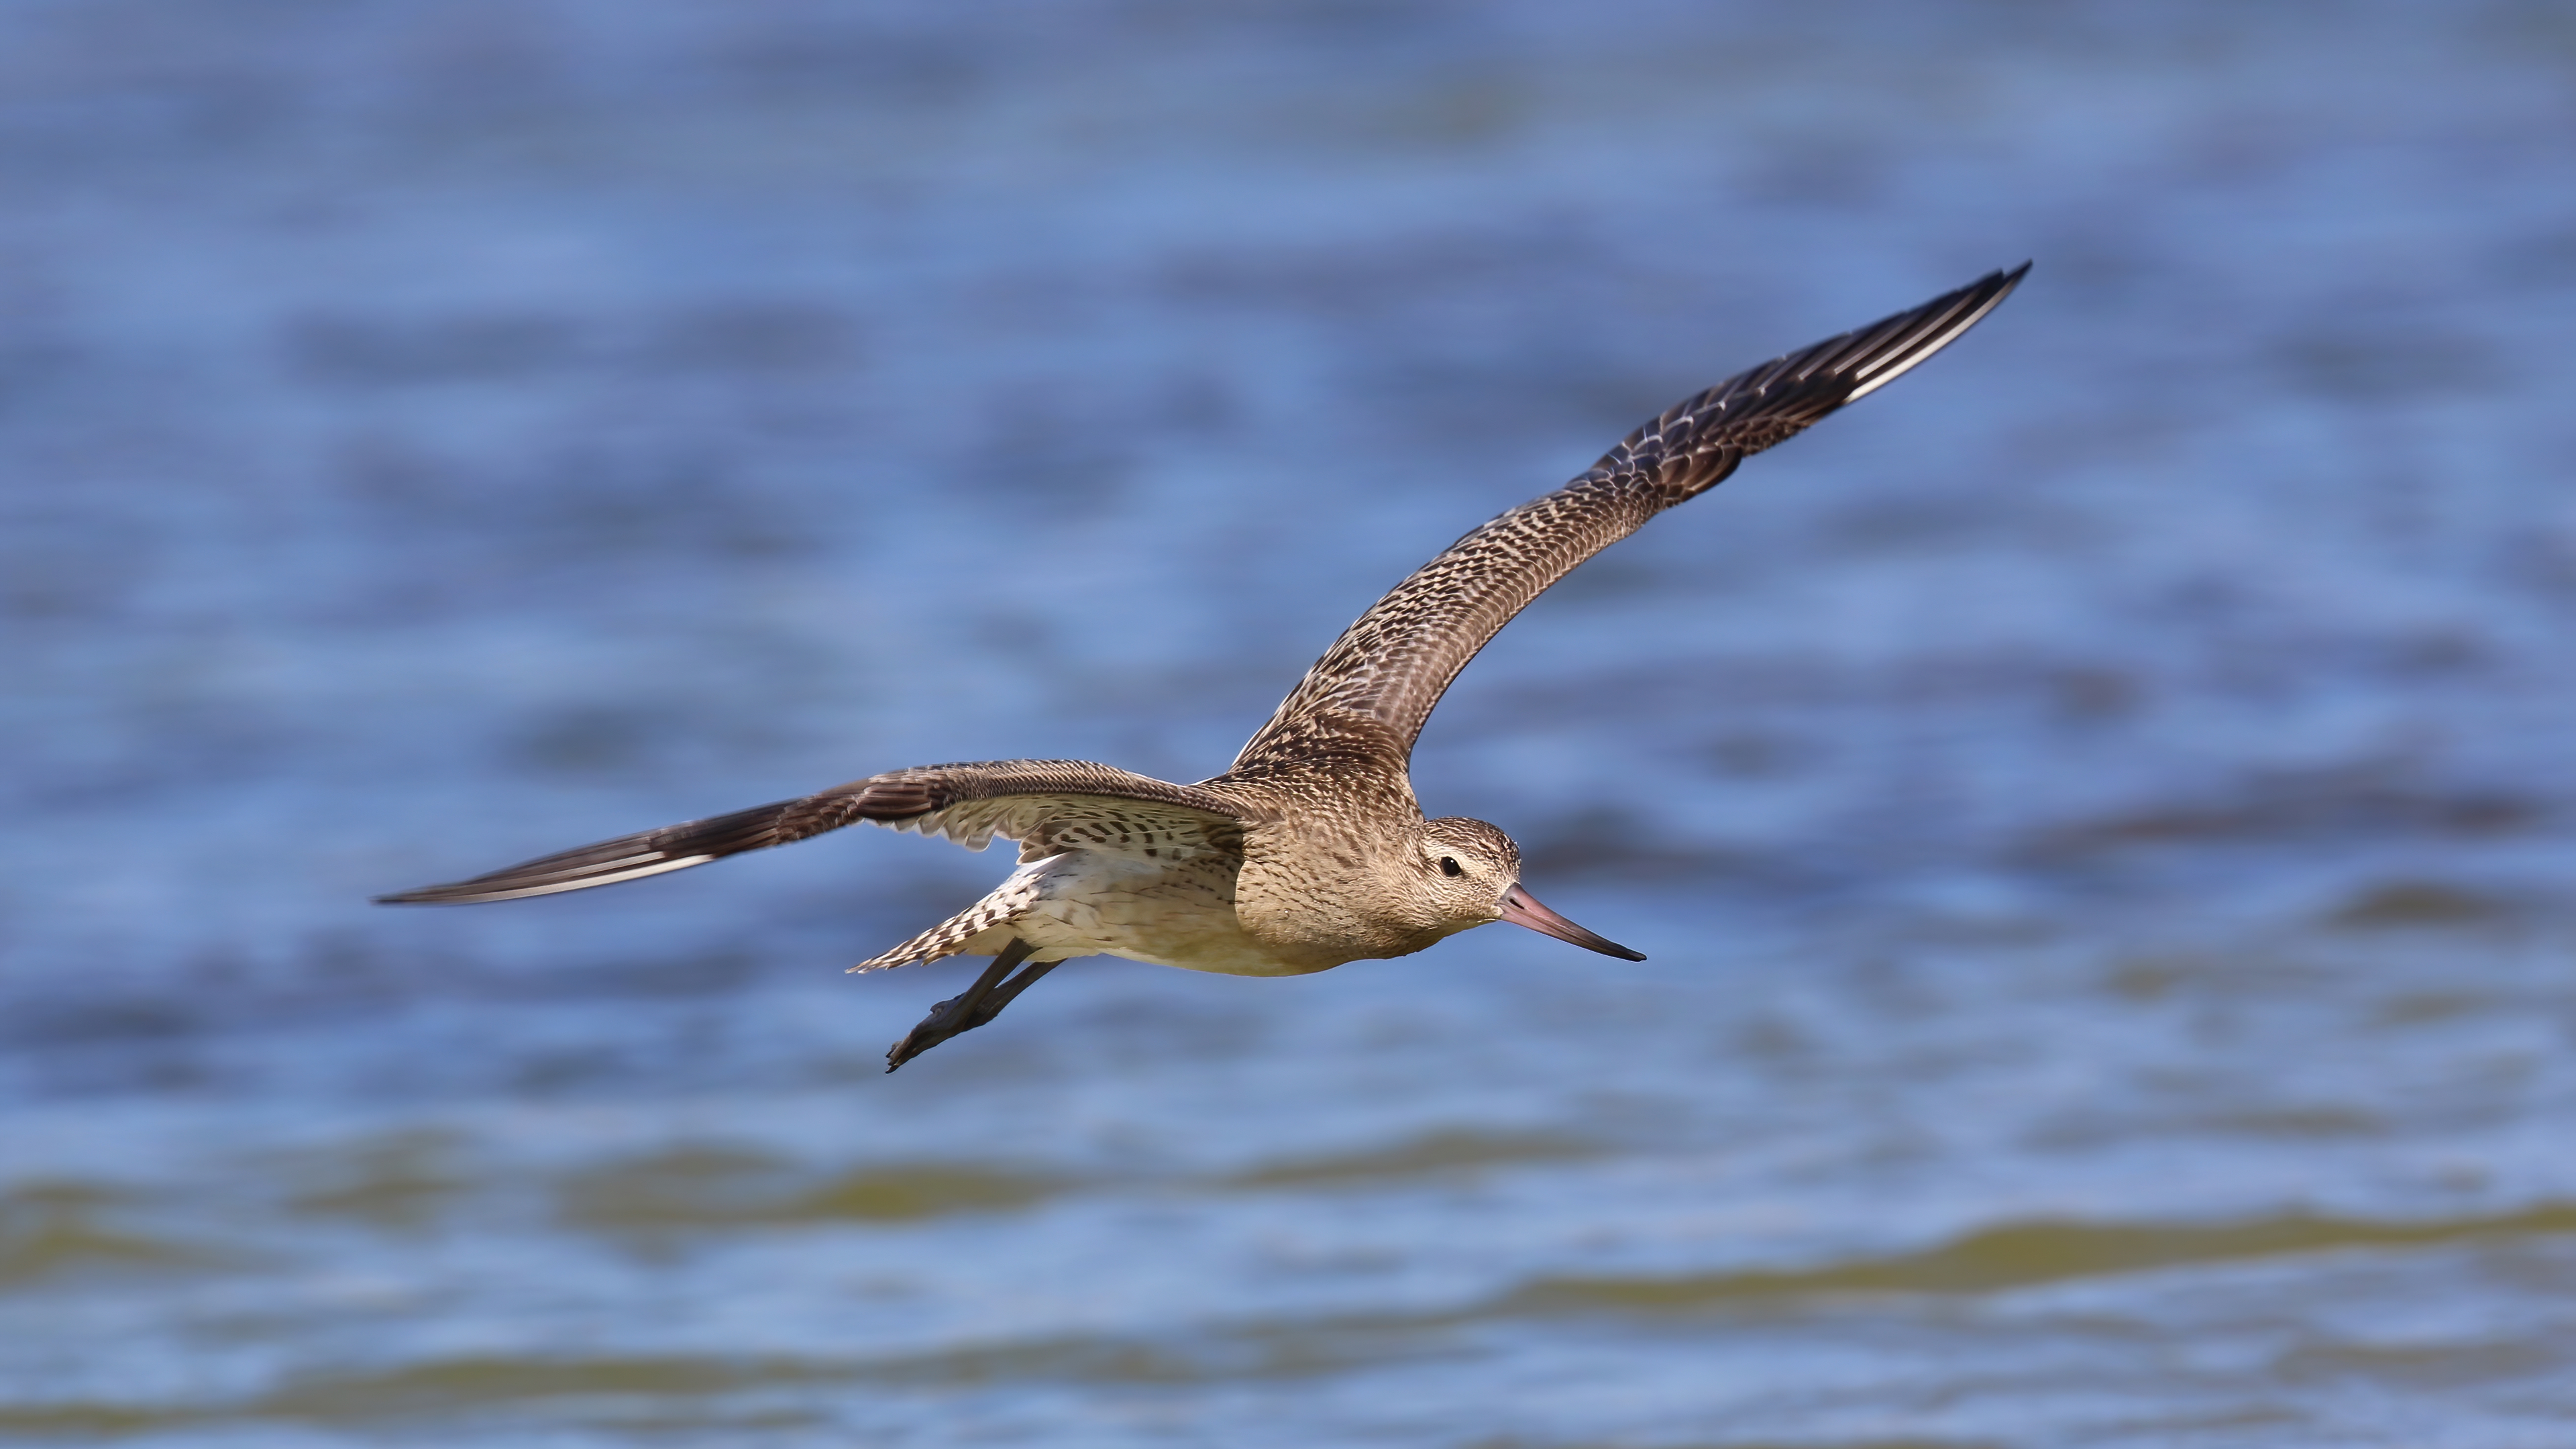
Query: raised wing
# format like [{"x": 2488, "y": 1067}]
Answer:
[
  {"x": 1376, "y": 686},
  {"x": 1047, "y": 805}
]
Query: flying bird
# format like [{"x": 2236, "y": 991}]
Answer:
[{"x": 1310, "y": 851}]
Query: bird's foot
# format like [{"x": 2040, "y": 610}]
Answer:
[
  {"x": 970, "y": 1008},
  {"x": 953, "y": 1017}
]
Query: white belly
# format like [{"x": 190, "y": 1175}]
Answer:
[{"x": 1171, "y": 913}]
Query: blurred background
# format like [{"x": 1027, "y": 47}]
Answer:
[{"x": 2100, "y": 813}]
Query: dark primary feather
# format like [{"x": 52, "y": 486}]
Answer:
[
  {"x": 922, "y": 798},
  {"x": 1376, "y": 686}
]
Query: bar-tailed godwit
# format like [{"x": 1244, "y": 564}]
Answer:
[{"x": 1310, "y": 850}]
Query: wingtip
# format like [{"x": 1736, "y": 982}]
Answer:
[
  {"x": 2002, "y": 280},
  {"x": 1925, "y": 331},
  {"x": 1987, "y": 291},
  {"x": 446, "y": 895},
  {"x": 431, "y": 895}
]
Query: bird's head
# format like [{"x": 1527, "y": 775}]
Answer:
[{"x": 1468, "y": 873}]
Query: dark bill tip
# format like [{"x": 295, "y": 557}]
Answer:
[{"x": 1522, "y": 909}]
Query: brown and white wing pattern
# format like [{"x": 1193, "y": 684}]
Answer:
[
  {"x": 1046, "y": 805},
  {"x": 1376, "y": 686}
]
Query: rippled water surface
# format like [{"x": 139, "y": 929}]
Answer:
[{"x": 2100, "y": 812}]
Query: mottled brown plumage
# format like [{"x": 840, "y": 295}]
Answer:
[{"x": 1310, "y": 851}]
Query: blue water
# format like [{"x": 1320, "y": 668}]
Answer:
[{"x": 2100, "y": 812}]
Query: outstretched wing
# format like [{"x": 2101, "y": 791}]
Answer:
[
  {"x": 1047, "y": 805},
  {"x": 1376, "y": 686}
]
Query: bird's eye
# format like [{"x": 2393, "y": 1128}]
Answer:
[{"x": 1449, "y": 866}]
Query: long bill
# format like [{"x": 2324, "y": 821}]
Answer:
[{"x": 1522, "y": 909}]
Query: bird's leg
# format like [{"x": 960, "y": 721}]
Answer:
[
  {"x": 958, "y": 1013},
  {"x": 1010, "y": 990},
  {"x": 973, "y": 1007}
]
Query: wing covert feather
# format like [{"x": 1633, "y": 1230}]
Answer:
[{"x": 1380, "y": 680}]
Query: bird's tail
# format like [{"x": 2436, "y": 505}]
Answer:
[{"x": 981, "y": 929}]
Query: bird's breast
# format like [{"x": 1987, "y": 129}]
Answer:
[{"x": 1325, "y": 894}]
